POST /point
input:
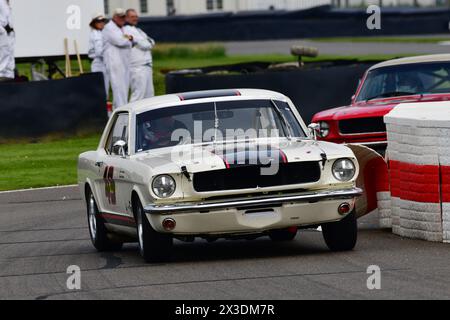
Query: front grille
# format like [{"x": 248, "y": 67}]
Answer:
[
  {"x": 250, "y": 177},
  {"x": 363, "y": 125}
]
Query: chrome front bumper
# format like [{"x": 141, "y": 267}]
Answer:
[{"x": 263, "y": 201}]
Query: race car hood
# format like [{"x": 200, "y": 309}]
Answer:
[
  {"x": 355, "y": 111},
  {"x": 194, "y": 159},
  {"x": 374, "y": 108}
]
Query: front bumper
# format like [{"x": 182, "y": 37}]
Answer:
[
  {"x": 256, "y": 214},
  {"x": 266, "y": 201}
]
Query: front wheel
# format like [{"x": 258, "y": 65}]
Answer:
[
  {"x": 97, "y": 229},
  {"x": 153, "y": 246},
  {"x": 341, "y": 235}
]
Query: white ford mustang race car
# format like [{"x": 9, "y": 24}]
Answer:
[{"x": 233, "y": 164}]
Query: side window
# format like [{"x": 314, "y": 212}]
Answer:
[
  {"x": 118, "y": 132},
  {"x": 292, "y": 120}
]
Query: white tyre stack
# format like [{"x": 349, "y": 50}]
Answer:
[
  {"x": 385, "y": 209},
  {"x": 419, "y": 161}
]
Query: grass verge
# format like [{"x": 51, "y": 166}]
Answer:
[{"x": 43, "y": 164}]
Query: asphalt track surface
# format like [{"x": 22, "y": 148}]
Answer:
[
  {"x": 336, "y": 48},
  {"x": 43, "y": 232}
]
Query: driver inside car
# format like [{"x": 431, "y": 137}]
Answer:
[
  {"x": 409, "y": 83},
  {"x": 158, "y": 133}
]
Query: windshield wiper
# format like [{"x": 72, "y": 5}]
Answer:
[
  {"x": 392, "y": 94},
  {"x": 286, "y": 126}
]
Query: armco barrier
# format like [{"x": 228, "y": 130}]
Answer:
[{"x": 419, "y": 161}]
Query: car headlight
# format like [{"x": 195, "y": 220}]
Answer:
[
  {"x": 344, "y": 170},
  {"x": 164, "y": 186},
  {"x": 324, "y": 129}
]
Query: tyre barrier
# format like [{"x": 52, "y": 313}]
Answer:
[{"x": 419, "y": 166}]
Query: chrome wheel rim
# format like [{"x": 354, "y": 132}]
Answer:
[
  {"x": 92, "y": 218},
  {"x": 140, "y": 231}
]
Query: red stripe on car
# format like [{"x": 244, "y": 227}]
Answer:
[
  {"x": 117, "y": 217},
  {"x": 283, "y": 157}
]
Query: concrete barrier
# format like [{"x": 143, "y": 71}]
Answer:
[{"x": 419, "y": 166}]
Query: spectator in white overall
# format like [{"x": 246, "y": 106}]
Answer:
[
  {"x": 141, "y": 59},
  {"x": 96, "y": 48},
  {"x": 116, "y": 54},
  {"x": 7, "y": 42}
]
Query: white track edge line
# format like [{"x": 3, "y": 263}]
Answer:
[{"x": 39, "y": 189}]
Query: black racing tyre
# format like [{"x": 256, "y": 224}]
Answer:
[
  {"x": 341, "y": 235},
  {"x": 97, "y": 229},
  {"x": 283, "y": 235},
  {"x": 153, "y": 246}
]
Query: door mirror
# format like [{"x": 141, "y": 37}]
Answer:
[
  {"x": 314, "y": 129},
  {"x": 119, "y": 148}
]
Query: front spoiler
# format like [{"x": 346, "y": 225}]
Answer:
[
  {"x": 242, "y": 204},
  {"x": 375, "y": 143}
]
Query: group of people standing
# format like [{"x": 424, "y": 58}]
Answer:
[
  {"x": 7, "y": 42},
  {"x": 123, "y": 53},
  {"x": 118, "y": 48}
]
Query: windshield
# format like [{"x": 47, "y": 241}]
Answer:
[
  {"x": 215, "y": 122},
  {"x": 403, "y": 80}
]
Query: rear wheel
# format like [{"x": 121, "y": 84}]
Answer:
[
  {"x": 153, "y": 246},
  {"x": 342, "y": 235},
  {"x": 97, "y": 229},
  {"x": 283, "y": 235}
]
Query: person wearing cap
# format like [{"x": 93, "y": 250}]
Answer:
[
  {"x": 141, "y": 59},
  {"x": 116, "y": 54},
  {"x": 95, "y": 51},
  {"x": 7, "y": 42}
]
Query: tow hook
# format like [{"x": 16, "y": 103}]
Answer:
[
  {"x": 324, "y": 160},
  {"x": 186, "y": 173}
]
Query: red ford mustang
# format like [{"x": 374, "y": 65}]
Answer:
[{"x": 383, "y": 87}]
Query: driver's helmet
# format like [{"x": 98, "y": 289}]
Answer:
[
  {"x": 408, "y": 82},
  {"x": 156, "y": 132},
  {"x": 148, "y": 131}
]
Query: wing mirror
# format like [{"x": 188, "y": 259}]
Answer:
[
  {"x": 119, "y": 148},
  {"x": 314, "y": 129}
]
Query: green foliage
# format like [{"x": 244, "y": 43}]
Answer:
[{"x": 193, "y": 51}]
